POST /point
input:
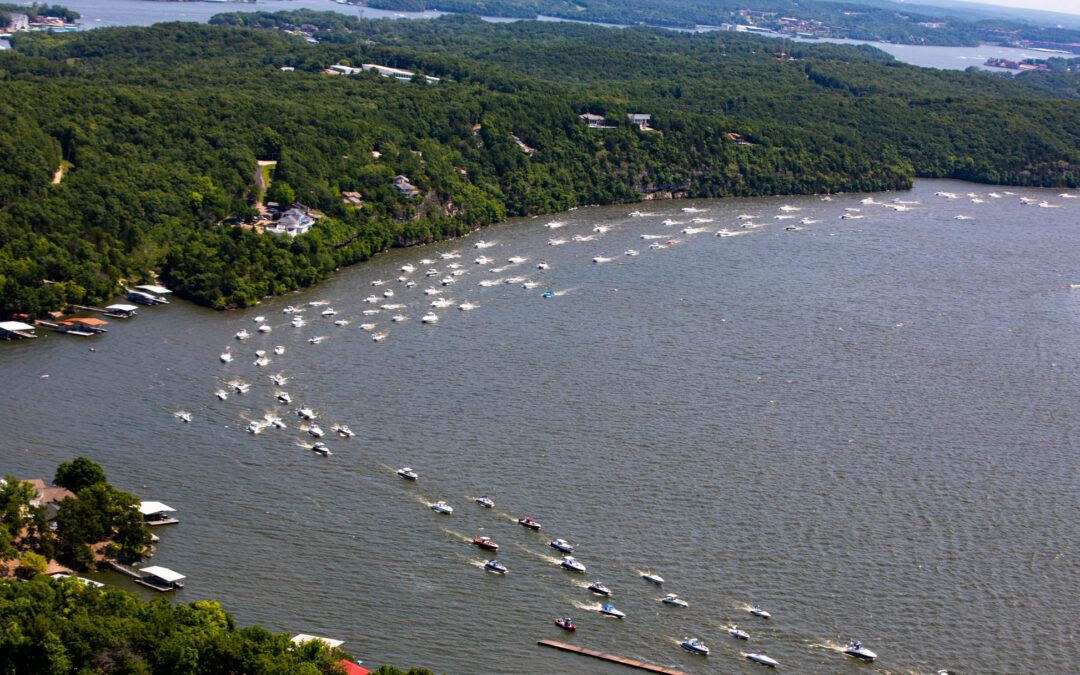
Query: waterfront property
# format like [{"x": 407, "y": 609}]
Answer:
[
  {"x": 120, "y": 311},
  {"x": 16, "y": 330}
]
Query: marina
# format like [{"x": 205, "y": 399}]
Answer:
[{"x": 825, "y": 381}]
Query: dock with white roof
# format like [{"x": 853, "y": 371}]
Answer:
[
  {"x": 156, "y": 513},
  {"x": 160, "y": 578}
]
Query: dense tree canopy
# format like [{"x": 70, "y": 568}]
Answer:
[{"x": 160, "y": 128}]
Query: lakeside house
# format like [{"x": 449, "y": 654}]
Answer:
[
  {"x": 385, "y": 71},
  {"x": 352, "y": 199},
  {"x": 640, "y": 120},
  {"x": 297, "y": 220},
  {"x": 402, "y": 185},
  {"x": 595, "y": 121},
  {"x": 19, "y": 23},
  {"x": 49, "y": 497}
]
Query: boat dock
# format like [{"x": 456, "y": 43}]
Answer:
[
  {"x": 609, "y": 657},
  {"x": 16, "y": 330}
]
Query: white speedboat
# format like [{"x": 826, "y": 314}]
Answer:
[
  {"x": 343, "y": 431},
  {"x": 279, "y": 380},
  {"x": 305, "y": 413},
  {"x": 495, "y": 566},
  {"x": 630, "y": 252},
  {"x": 378, "y": 337},
  {"x": 482, "y": 244},
  {"x": 486, "y": 502},
  {"x": 442, "y": 507},
  {"x": 762, "y": 658},
  {"x": 220, "y": 393},
  {"x": 321, "y": 449},
  {"x": 241, "y": 387},
  {"x": 542, "y": 266},
  {"x": 277, "y": 423},
  {"x": 441, "y": 303},
  {"x": 600, "y": 589},
  {"x": 242, "y": 334},
  {"x": 431, "y": 291},
  {"x": 408, "y": 268},
  {"x": 388, "y": 293},
  {"x": 429, "y": 318},
  {"x": 431, "y": 272},
  {"x": 398, "y": 318},
  {"x": 367, "y": 326},
  {"x": 298, "y": 321},
  {"x": 466, "y": 306},
  {"x": 253, "y": 428},
  {"x": 672, "y": 599},
  {"x": 695, "y": 646},
  {"x": 483, "y": 260},
  {"x": 262, "y": 361},
  {"x": 260, "y": 352},
  {"x": 288, "y": 310},
  {"x": 371, "y": 299},
  {"x": 184, "y": 417},
  {"x": 329, "y": 311},
  {"x": 609, "y": 610},
  {"x": 378, "y": 282},
  {"x": 562, "y": 545},
  {"x": 738, "y": 633},
  {"x": 279, "y": 350},
  {"x": 225, "y": 356},
  {"x": 857, "y": 650},
  {"x": 446, "y": 281},
  {"x": 265, "y": 328},
  {"x": 407, "y": 473},
  {"x": 284, "y": 397},
  {"x": 572, "y": 565},
  {"x": 649, "y": 575},
  {"x": 514, "y": 260},
  {"x": 759, "y": 612},
  {"x": 316, "y": 339},
  {"x": 315, "y": 430}
]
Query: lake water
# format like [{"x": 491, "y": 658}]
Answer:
[
  {"x": 867, "y": 425},
  {"x": 98, "y": 13}
]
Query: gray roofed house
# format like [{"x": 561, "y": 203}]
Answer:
[{"x": 402, "y": 184}]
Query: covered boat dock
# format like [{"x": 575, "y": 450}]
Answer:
[
  {"x": 156, "y": 513},
  {"x": 160, "y": 578},
  {"x": 16, "y": 330},
  {"x": 120, "y": 311}
]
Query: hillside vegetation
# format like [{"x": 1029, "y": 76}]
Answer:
[{"x": 163, "y": 126}]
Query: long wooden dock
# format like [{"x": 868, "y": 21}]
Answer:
[{"x": 609, "y": 657}]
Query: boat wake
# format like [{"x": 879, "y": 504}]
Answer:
[
  {"x": 540, "y": 556},
  {"x": 585, "y": 606},
  {"x": 829, "y": 645},
  {"x": 458, "y": 535},
  {"x": 556, "y": 242}
]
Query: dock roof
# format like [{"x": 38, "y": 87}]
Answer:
[
  {"x": 150, "y": 288},
  {"x": 163, "y": 573},
  {"x": 304, "y": 637},
  {"x": 123, "y": 308},
  {"x": 15, "y": 325},
  {"x": 147, "y": 508}
]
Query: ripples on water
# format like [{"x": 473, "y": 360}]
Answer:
[{"x": 866, "y": 426}]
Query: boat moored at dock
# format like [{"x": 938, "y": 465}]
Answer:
[
  {"x": 160, "y": 579},
  {"x": 156, "y": 513}
]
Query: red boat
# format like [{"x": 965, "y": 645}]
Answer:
[
  {"x": 528, "y": 522},
  {"x": 566, "y": 623},
  {"x": 486, "y": 543}
]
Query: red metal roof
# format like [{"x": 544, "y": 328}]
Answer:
[{"x": 351, "y": 668}]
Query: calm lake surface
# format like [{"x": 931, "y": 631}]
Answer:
[
  {"x": 99, "y": 13},
  {"x": 868, "y": 426}
]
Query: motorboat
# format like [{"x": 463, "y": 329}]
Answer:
[
  {"x": 378, "y": 337},
  {"x": 317, "y": 303},
  {"x": 279, "y": 380},
  {"x": 321, "y": 449},
  {"x": 600, "y": 589},
  {"x": 762, "y": 658},
  {"x": 220, "y": 393},
  {"x": 341, "y": 322},
  {"x": 343, "y": 431},
  {"x": 378, "y": 282},
  {"x": 398, "y": 318},
  {"x": 253, "y": 428},
  {"x": 542, "y": 266},
  {"x": 528, "y": 522},
  {"x": 284, "y": 397},
  {"x": 260, "y": 353},
  {"x": 738, "y": 633},
  {"x": 441, "y": 303},
  {"x": 446, "y": 281},
  {"x": 695, "y": 646},
  {"x": 572, "y": 565},
  {"x": 486, "y": 502},
  {"x": 306, "y": 412},
  {"x": 367, "y": 326},
  {"x": 408, "y": 268},
  {"x": 242, "y": 334},
  {"x": 277, "y": 423},
  {"x": 609, "y": 610},
  {"x": 388, "y": 293},
  {"x": 442, "y": 507},
  {"x": 431, "y": 272},
  {"x": 407, "y": 473},
  {"x": 184, "y": 417},
  {"x": 483, "y": 260},
  {"x": 672, "y": 599},
  {"x": 262, "y": 361},
  {"x": 288, "y": 310},
  {"x": 562, "y": 545},
  {"x": 241, "y": 387},
  {"x": 279, "y": 350},
  {"x": 547, "y": 294},
  {"x": 298, "y": 321},
  {"x": 649, "y": 575},
  {"x": 410, "y": 284},
  {"x": 466, "y": 306},
  {"x": 857, "y": 650},
  {"x": 265, "y": 328},
  {"x": 759, "y": 612},
  {"x": 495, "y": 566},
  {"x": 370, "y": 312},
  {"x": 430, "y": 317},
  {"x": 482, "y": 244},
  {"x": 566, "y": 623},
  {"x": 225, "y": 356},
  {"x": 371, "y": 299},
  {"x": 315, "y": 430},
  {"x": 529, "y": 285},
  {"x": 630, "y": 252},
  {"x": 316, "y": 339},
  {"x": 514, "y": 260},
  {"x": 485, "y": 543}
]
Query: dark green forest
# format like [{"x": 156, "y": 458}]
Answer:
[
  {"x": 60, "y": 626},
  {"x": 159, "y": 130},
  {"x": 885, "y": 22}
]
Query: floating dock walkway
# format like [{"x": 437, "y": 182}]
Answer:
[{"x": 609, "y": 657}]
